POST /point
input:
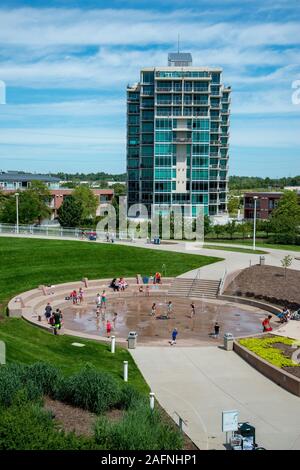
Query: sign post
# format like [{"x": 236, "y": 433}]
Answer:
[{"x": 229, "y": 422}]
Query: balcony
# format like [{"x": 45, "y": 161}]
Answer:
[
  {"x": 182, "y": 140},
  {"x": 164, "y": 89}
]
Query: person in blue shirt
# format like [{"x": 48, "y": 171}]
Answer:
[{"x": 174, "y": 336}]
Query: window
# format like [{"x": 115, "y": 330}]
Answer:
[
  {"x": 163, "y": 149},
  {"x": 163, "y": 173},
  {"x": 147, "y": 138},
  {"x": 147, "y": 127},
  {"x": 200, "y": 174},
  {"x": 147, "y": 77},
  {"x": 133, "y": 108},
  {"x": 147, "y": 150},
  {"x": 200, "y": 136},
  {"x": 163, "y": 136},
  {"x": 200, "y": 149},
  {"x": 163, "y": 161},
  {"x": 133, "y": 120},
  {"x": 132, "y": 163},
  {"x": 147, "y": 162},
  {"x": 133, "y": 141},
  {"x": 200, "y": 162},
  {"x": 163, "y": 186},
  {"x": 201, "y": 124},
  {"x": 163, "y": 123},
  {"x": 133, "y": 130}
]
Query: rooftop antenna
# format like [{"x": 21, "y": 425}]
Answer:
[{"x": 178, "y": 41}]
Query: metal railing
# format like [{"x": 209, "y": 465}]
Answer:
[
  {"x": 50, "y": 231},
  {"x": 222, "y": 282}
]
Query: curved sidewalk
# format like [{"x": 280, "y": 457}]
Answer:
[{"x": 200, "y": 383}]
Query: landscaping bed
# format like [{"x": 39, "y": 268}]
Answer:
[
  {"x": 268, "y": 283},
  {"x": 277, "y": 350},
  {"x": 112, "y": 415}
]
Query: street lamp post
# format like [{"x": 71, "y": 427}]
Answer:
[
  {"x": 254, "y": 225},
  {"x": 17, "y": 210}
]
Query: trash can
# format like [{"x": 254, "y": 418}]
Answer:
[
  {"x": 262, "y": 260},
  {"x": 228, "y": 341},
  {"x": 132, "y": 339}
]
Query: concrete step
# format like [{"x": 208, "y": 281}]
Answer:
[{"x": 195, "y": 288}]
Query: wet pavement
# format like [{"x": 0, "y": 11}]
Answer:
[{"x": 134, "y": 314}]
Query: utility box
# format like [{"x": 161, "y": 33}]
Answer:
[
  {"x": 132, "y": 339},
  {"x": 228, "y": 342},
  {"x": 262, "y": 260}
]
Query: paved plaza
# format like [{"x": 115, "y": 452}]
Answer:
[{"x": 200, "y": 383}]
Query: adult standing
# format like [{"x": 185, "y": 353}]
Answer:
[{"x": 48, "y": 311}]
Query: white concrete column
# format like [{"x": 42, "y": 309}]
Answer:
[
  {"x": 113, "y": 344},
  {"x": 125, "y": 372},
  {"x": 152, "y": 400}
]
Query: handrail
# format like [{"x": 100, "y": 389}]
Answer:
[
  {"x": 194, "y": 282},
  {"x": 222, "y": 282}
]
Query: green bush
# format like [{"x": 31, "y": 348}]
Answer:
[
  {"x": 13, "y": 378},
  {"x": 140, "y": 429},
  {"x": 129, "y": 396},
  {"x": 47, "y": 377},
  {"x": 91, "y": 390},
  {"x": 26, "y": 426}
]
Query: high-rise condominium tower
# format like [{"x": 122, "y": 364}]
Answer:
[{"x": 177, "y": 137}]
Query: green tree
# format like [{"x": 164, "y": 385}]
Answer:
[
  {"x": 231, "y": 228},
  {"x": 39, "y": 192},
  {"x": 218, "y": 230},
  {"x": 33, "y": 205},
  {"x": 285, "y": 219},
  {"x": 70, "y": 212},
  {"x": 88, "y": 201},
  {"x": 119, "y": 189}
]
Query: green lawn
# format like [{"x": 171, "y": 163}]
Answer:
[
  {"x": 259, "y": 243},
  {"x": 27, "y": 263},
  {"x": 237, "y": 250},
  {"x": 28, "y": 344}
]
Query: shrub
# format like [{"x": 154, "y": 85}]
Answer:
[
  {"x": 91, "y": 390},
  {"x": 26, "y": 426},
  {"x": 13, "y": 378},
  {"x": 129, "y": 396},
  {"x": 46, "y": 377},
  {"x": 140, "y": 429}
]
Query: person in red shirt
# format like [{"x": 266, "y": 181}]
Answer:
[
  {"x": 108, "y": 328},
  {"x": 266, "y": 324}
]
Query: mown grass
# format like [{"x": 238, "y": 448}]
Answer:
[
  {"x": 235, "y": 250},
  {"x": 27, "y": 344},
  {"x": 258, "y": 243},
  {"x": 26, "y": 263}
]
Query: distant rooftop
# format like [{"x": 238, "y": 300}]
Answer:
[
  {"x": 180, "y": 59},
  {"x": 18, "y": 176}
]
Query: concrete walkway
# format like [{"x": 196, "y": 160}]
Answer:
[{"x": 200, "y": 383}]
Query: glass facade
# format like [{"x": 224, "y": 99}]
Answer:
[{"x": 177, "y": 139}]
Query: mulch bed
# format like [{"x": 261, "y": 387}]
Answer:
[
  {"x": 70, "y": 418},
  {"x": 268, "y": 283}
]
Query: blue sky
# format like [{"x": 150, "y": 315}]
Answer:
[{"x": 66, "y": 65}]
